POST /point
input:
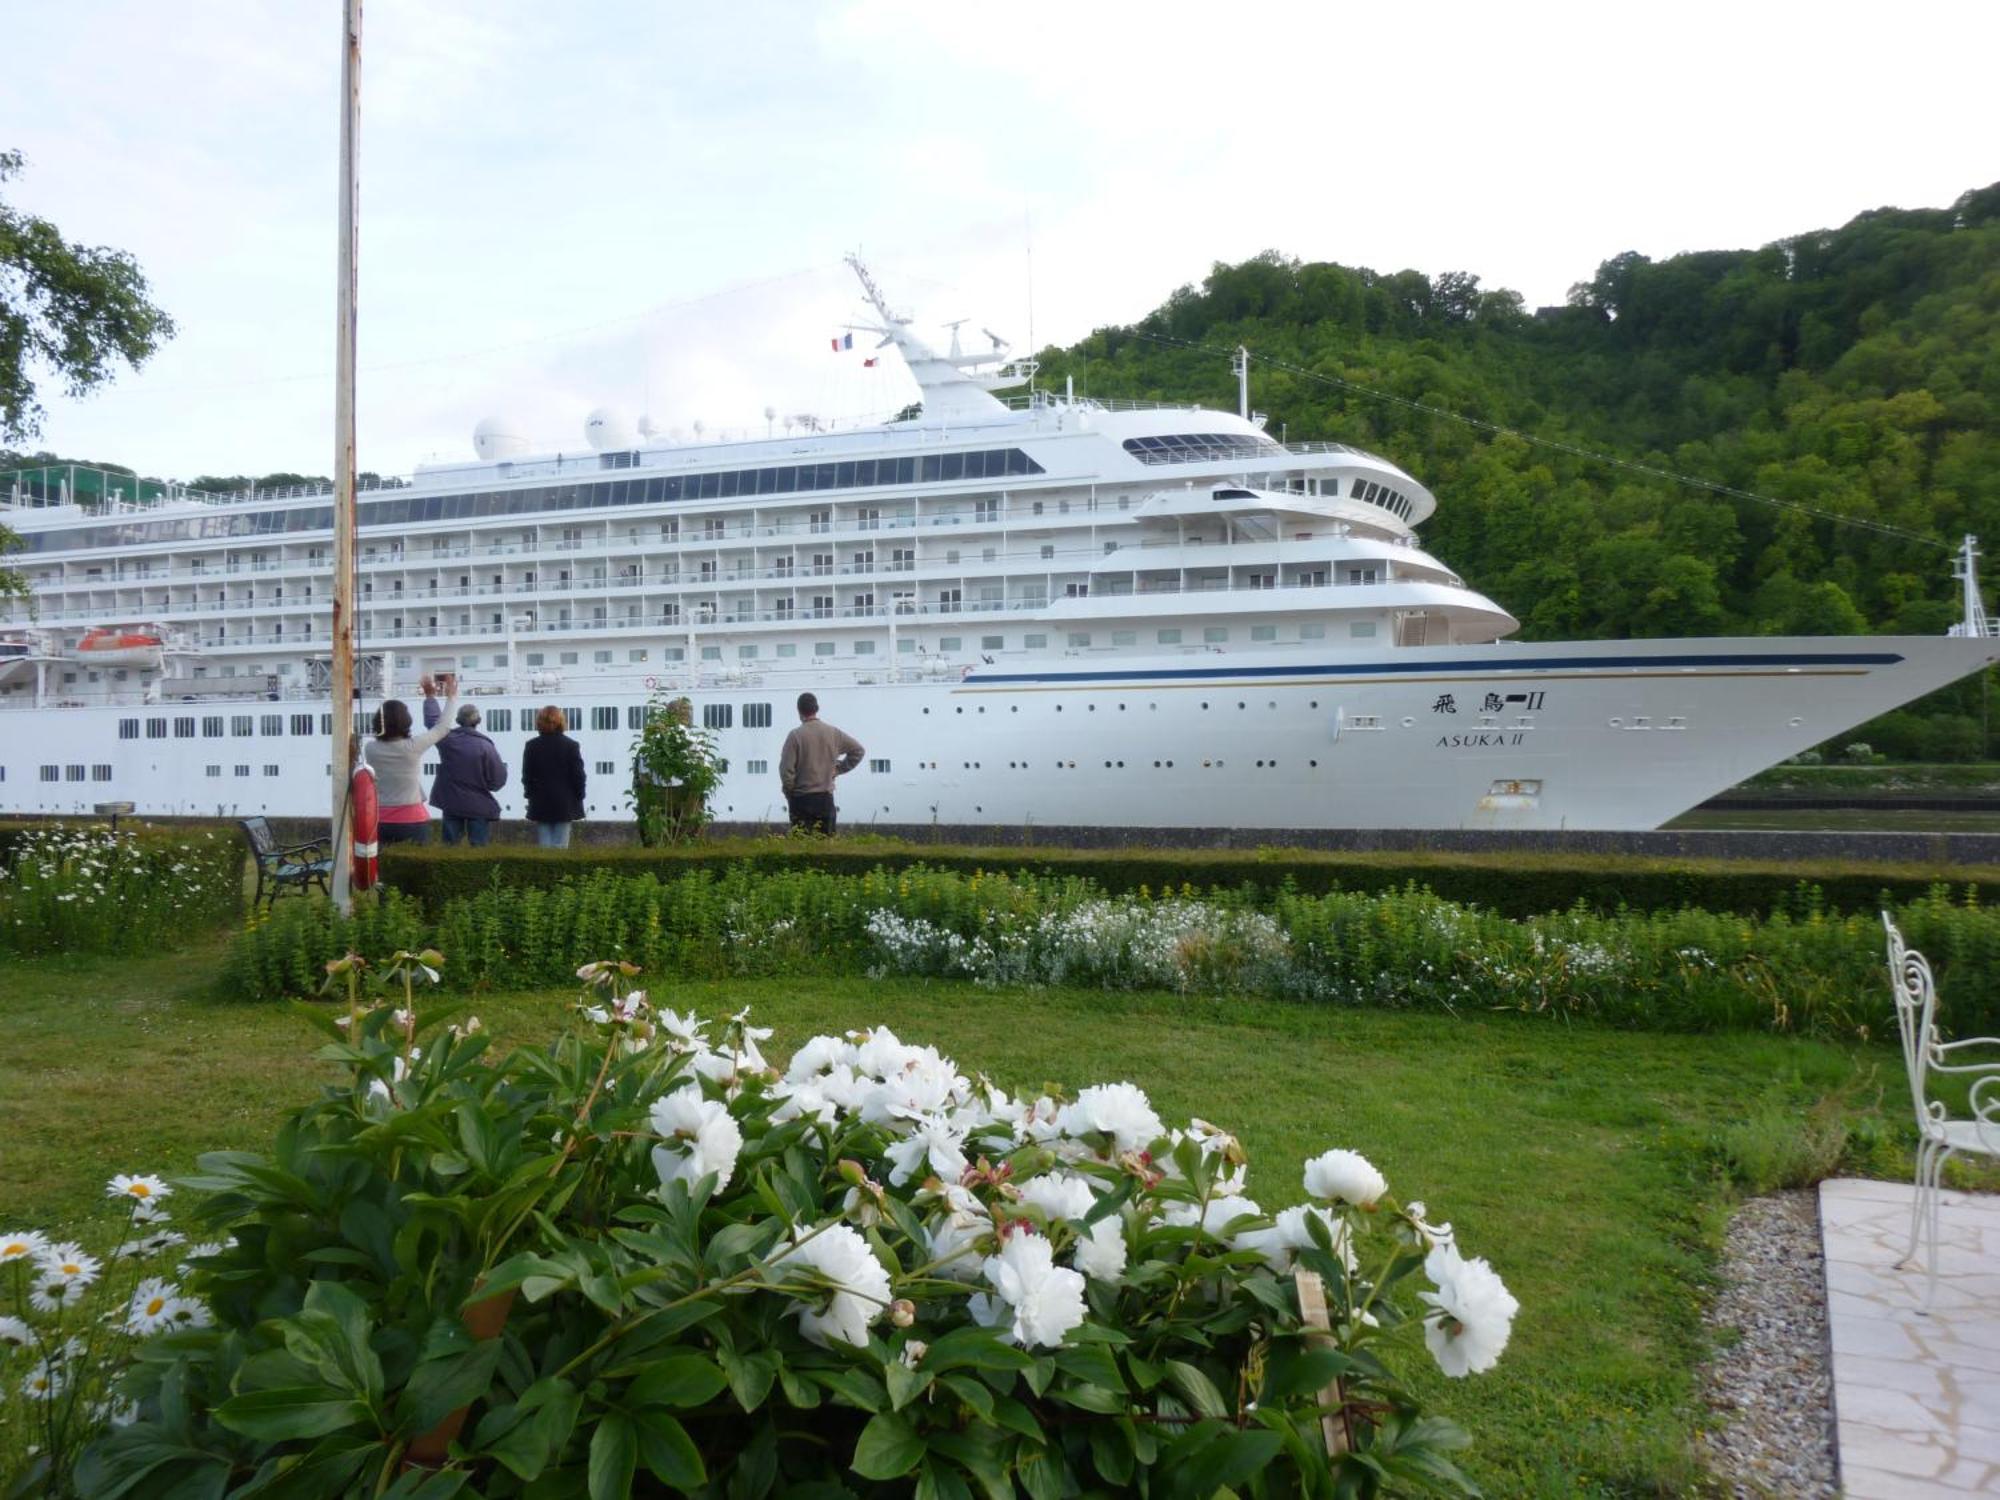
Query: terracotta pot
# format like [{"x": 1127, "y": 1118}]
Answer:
[{"x": 483, "y": 1319}]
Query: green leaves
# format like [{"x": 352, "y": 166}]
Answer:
[
  {"x": 888, "y": 1448},
  {"x": 289, "y": 1412},
  {"x": 614, "y": 1456}
]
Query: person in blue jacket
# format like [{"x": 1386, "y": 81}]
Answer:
[
  {"x": 469, "y": 772},
  {"x": 552, "y": 776}
]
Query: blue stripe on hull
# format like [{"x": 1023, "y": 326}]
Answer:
[{"x": 1485, "y": 666}]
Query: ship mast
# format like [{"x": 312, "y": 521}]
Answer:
[
  {"x": 343, "y": 459},
  {"x": 1966, "y": 571}
]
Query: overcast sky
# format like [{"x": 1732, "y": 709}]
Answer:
[{"x": 644, "y": 203}]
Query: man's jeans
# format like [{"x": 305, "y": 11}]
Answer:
[
  {"x": 475, "y": 831},
  {"x": 552, "y": 835}
]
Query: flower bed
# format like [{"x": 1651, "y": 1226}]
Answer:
[
  {"x": 1813, "y": 972},
  {"x": 642, "y": 1251},
  {"x": 92, "y": 890}
]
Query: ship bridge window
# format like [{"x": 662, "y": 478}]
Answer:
[
  {"x": 717, "y": 715},
  {"x": 756, "y": 716},
  {"x": 604, "y": 717},
  {"x": 272, "y": 724},
  {"x": 241, "y": 724},
  {"x": 1234, "y": 495},
  {"x": 156, "y": 729},
  {"x": 1201, "y": 447},
  {"x": 302, "y": 724},
  {"x": 184, "y": 728},
  {"x": 128, "y": 729},
  {"x": 211, "y": 727}
]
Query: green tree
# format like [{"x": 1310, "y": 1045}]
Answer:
[{"x": 72, "y": 310}]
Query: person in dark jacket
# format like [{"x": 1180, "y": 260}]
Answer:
[
  {"x": 469, "y": 772},
  {"x": 552, "y": 776}
]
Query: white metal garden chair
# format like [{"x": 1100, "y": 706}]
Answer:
[{"x": 1940, "y": 1137}]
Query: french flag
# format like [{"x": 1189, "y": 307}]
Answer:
[{"x": 845, "y": 341}]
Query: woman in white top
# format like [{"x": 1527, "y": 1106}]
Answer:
[{"x": 397, "y": 756}]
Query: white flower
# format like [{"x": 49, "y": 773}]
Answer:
[
  {"x": 818, "y": 1056},
  {"x": 857, "y": 1288},
  {"x": 188, "y": 1312},
  {"x": 1215, "y": 1216},
  {"x": 701, "y": 1137},
  {"x": 953, "y": 1242},
  {"x": 802, "y": 1101},
  {"x": 1280, "y": 1244},
  {"x": 44, "y": 1383},
  {"x": 402, "y": 1019},
  {"x": 146, "y": 1211},
  {"x": 1432, "y": 1235},
  {"x": 202, "y": 1252},
  {"x": 398, "y": 1071},
  {"x": 1100, "y": 1255},
  {"x": 15, "y": 1333},
  {"x": 931, "y": 1144},
  {"x": 1119, "y": 1110},
  {"x": 152, "y": 1244},
  {"x": 67, "y": 1263},
  {"x": 1472, "y": 1312},
  {"x": 152, "y": 1302},
  {"x": 1036, "y": 1303},
  {"x": 1345, "y": 1177},
  {"x": 685, "y": 1029},
  {"x": 1060, "y": 1195},
  {"x": 139, "y": 1189},
  {"x": 21, "y": 1244}
]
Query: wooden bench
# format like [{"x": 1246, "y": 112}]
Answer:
[{"x": 291, "y": 867}]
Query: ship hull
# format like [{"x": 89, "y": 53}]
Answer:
[{"x": 1589, "y": 735}]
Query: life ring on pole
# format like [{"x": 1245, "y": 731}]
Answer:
[
  {"x": 651, "y": 683},
  {"x": 364, "y": 828}
]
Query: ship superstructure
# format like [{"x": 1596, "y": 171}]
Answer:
[{"x": 1044, "y": 609}]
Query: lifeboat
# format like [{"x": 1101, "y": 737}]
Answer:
[{"x": 116, "y": 646}]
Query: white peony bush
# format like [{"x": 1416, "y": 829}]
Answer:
[{"x": 729, "y": 1273}]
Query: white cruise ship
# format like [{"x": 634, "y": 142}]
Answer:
[{"x": 1038, "y": 612}]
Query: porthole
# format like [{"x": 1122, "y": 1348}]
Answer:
[
  {"x": 1312, "y": 765},
  {"x": 1072, "y": 765},
  {"x": 1121, "y": 765},
  {"x": 1617, "y": 723},
  {"x": 1795, "y": 723},
  {"x": 927, "y": 710},
  {"x": 1241, "y": 706},
  {"x": 1204, "y": 706},
  {"x": 1013, "y": 708},
  {"x": 1206, "y": 764},
  {"x": 958, "y": 710},
  {"x": 1313, "y": 704},
  {"x": 1272, "y": 704},
  {"x": 1121, "y": 708},
  {"x": 1156, "y": 765},
  {"x": 1260, "y": 765},
  {"x": 1409, "y": 723},
  {"x": 1107, "y": 765},
  {"x": 1092, "y": 707},
  {"x": 982, "y": 708},
  {"x": 1058, "y": 708},
  {"x": 977, "y": 808},
  {"x": 1170, "y": 765}
]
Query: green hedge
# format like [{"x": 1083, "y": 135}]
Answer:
[
  {"x": 1810, "y": 972},
  {"x": 1511, "y": 884}
]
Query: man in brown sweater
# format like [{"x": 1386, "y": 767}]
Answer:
[{"x": 814, "y": 754}]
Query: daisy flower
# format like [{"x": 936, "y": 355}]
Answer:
[
  {"x": 21, "y": 1244},
  {"x": 152, "y": 1301},
  {"x": 15, "y": 1334},
  {"x": 44, "y": 1382},
  {"x": 137, "y": 1189}
]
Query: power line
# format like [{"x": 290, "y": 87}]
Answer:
[{"x": 1654, "y": 471}]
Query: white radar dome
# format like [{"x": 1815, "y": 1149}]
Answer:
[
  {"x": 497, "y": 438},
  {"x": 605, "y": 429}
]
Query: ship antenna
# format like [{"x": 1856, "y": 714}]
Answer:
[
  {"x": 1966, "y": 571},
  {"x": 871, "y": 291}
]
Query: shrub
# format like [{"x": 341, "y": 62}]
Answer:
[
  {"x": 91, "y": 890},
  {"x": 284, "y": 950},
  {"x": 641, "y": 1248},
  {"x": 1517, "y": 884},
  {"x": 1802, "y": 970}
]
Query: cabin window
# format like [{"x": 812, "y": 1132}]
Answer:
[
  {"x": 1361, "y": 630},
  {"x": 1215, "y": 634},
  {"x": 1263, "y": 632},
  {"x": 128, "y": 729},
  {"x": 756, "y": 716},
  {"x": 717, "y": 715},
  {"x": 603, "y": 717},
  {"x": 1169, "y": 637}
]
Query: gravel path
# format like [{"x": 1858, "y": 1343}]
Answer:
[{"x": 1771, "y": 1391}]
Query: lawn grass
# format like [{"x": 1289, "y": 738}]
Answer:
[{"x": 1584, "y": 1163}]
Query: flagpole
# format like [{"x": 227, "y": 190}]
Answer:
[{"x": 343, "y": 458}]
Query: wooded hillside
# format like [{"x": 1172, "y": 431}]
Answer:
[{"x": 1855, "y": 371}]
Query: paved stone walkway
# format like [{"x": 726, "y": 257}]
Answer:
[{"x": 1916, "y": 1399}]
